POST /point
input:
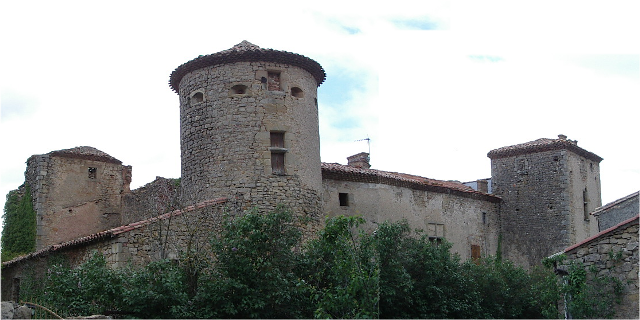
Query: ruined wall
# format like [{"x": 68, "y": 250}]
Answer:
[
  {"x": 465, "y": 222},
  {"x": 614, "y": 254},
  {"x": 228, "y": 113},
  {"x": 75, "y": 197},
  {"x": 153, "y": 199}
]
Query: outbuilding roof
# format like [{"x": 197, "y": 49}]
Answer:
[
  {"x": 247, "y": 52},
  {"x": 630, "y": 221},
  {"x": 112, "y": 233},
  {"x": 336, "y": 171},
  {"x": 540, "y": 145}
]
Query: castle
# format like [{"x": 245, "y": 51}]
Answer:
[{"x": 250, "y": 139}]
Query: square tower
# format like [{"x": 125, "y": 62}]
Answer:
[{"x": 548, "y": 187}]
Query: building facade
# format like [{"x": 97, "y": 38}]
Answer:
[{"x": 250, "y": 139}]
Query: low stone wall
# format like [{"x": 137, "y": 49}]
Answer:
[{"x": 614, "y": 252}]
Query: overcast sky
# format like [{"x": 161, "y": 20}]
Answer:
[{"x": 435, "y": 85}]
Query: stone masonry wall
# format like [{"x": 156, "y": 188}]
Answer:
[
  {"x": 154, "y": 198},
  {"x": 69, "y": 203},
  {"x": 465, "y": 222},
  {"x": 614, "y": 254},
  {"x": 227, "y": 114},
  {"x": 535, "y": 214}
]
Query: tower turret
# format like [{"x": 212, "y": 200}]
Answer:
[{"x": 249, "y": 128}]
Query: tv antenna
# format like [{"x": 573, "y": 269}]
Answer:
[{"x": 368, "y": 143}]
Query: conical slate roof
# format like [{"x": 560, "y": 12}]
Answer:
[
  {"x": 246, "y": 51},
  {"x": 85, "y": 152}
]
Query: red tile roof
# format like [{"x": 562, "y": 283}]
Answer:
[
  {"x": 337, "y": 171},
  {"x": 633, "y": 220},
  {"x": 111, "y": 233},
  {"x": 247, "y": 52},
  {"x": 540, "y": 145}
]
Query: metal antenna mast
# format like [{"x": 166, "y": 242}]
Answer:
[{"x": 368, "y": 142}]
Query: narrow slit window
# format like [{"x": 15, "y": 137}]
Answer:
[{"x": 344, "y": 199}]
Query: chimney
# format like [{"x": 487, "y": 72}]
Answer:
[
  {"x": 360, "y": 160},
  {"x": 562, "y": 137},
  {"x": 483, "y": 185}
]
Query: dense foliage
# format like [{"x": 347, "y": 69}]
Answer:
[
  {"x": 19, "y": 225},
  {"x": 261, "y": 270}
]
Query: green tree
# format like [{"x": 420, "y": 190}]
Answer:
[
  {"x": 342, "y": 269},
  {"x": 19, "y": 224}
]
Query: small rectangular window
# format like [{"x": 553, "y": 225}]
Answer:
[
  {"x": 273, "y": 81},
  {"x": 435, "y": 231},
  {"x": 344, "y": 199},
  {"x": 92, "y": 172}
]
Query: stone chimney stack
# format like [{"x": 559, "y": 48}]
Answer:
[{"x": 360, "y": 160}]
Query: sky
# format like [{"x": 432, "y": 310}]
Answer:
[{"x": 434, "y": 85}]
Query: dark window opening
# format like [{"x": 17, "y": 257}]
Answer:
[
  {"x": 297, "y": 92},
  {"x": 92, "y": 172},
  {"x": 435, "y": 240},
  {"x": 197, "y": 97},
  {"x": 484, "y": 218},
  {"x": 16, "y": 289},
  {"x": 344, "y": 199},
  {"x": 273, "y": 81},
  {"x": 239, "y": 89}
]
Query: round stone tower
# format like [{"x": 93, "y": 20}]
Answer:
[{"x": 249, "y": 128}]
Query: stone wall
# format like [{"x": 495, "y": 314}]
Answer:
[
  {"x": 228, "y": 113},
  {"x": 166, "y": 237},
  {"x": 614, "y": 253},
  {"x": 617, "y": 211},
  {"x": 154, "y": 198},
  {"x": 463, "y": 221},
  {"x": 543, "y": 210},
  {"x": 74, "y": 196}
]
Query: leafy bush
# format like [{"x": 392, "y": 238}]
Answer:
[{"x": 19, "y": 225}]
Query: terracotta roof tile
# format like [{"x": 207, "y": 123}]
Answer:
[
  {"x": 540, "y": 145},
  {"x": 337, "y": 171},
  {"x": 247, "y": 52}
]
